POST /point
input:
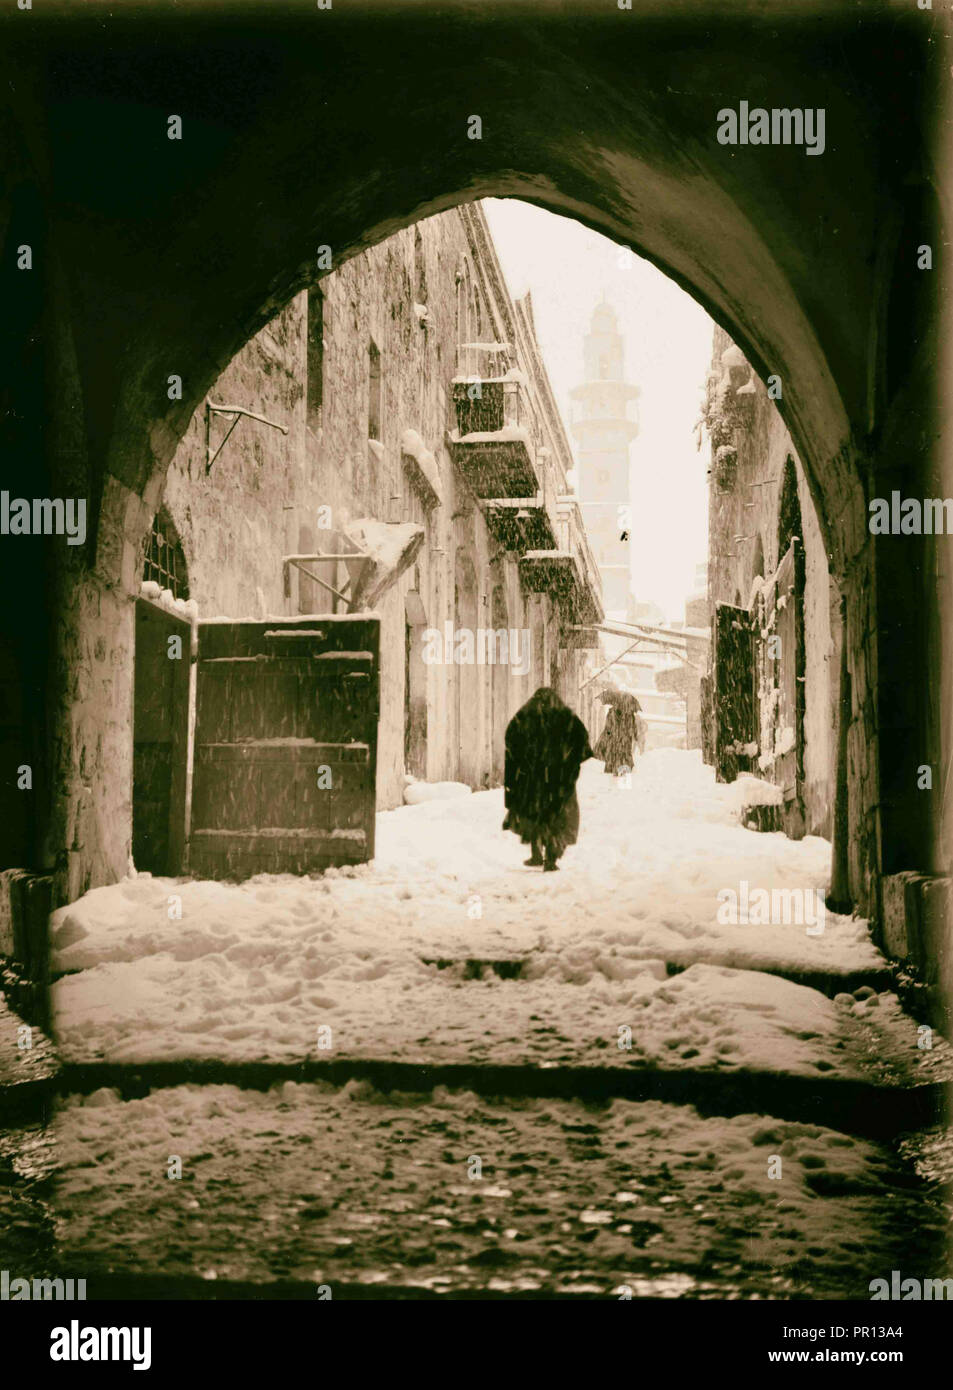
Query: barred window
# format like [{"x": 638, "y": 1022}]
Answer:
[{"x": 165, "y": 558}]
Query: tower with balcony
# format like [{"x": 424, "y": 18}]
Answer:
[{"x": 604, "y": 424}]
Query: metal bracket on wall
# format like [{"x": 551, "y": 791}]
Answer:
[
  {"x": 351, "y": 557},
  {"x": 238, "y": 411}
]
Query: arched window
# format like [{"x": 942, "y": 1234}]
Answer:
[
  {"x": 165, "y": 558},
  {"x": 789, "y": 510},
  {"x": 477, "y": 316},
  {"x": 420, "y": 268},
  {"x": 464, "y": 287}
]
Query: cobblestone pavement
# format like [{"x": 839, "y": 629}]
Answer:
[
  {"x": 480, "y": 1128},
  {"x": 452, "y": 1193}
]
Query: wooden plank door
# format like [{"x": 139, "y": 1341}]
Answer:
[
  {"x": 734, "y": 692},
  {"x": 285, "y": 751}
]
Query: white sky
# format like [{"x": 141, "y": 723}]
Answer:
[{"x": 667, "y": 340}]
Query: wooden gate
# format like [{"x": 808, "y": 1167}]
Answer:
[{"x": 285, "y": 745}]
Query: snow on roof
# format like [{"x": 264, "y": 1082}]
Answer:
[{"x": 383, "y": 541}]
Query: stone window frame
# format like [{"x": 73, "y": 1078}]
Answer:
[
  {"x": 375, "y": 393},
  {"x": 164, "y": 562}
]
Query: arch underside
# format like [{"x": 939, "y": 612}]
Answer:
[{"x": 304, "y": 147}]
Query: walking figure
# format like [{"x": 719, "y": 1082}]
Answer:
[
  {"x": 546, "y": 744},
  {"x": 624, "y": 730}
]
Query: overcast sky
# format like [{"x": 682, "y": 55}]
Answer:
[{"x": 667, "y": 352}]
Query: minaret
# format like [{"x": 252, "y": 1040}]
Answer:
[{"x": 604, "y": 430}]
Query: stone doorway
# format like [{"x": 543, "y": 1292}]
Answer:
[{"x": 160, "y": 739}]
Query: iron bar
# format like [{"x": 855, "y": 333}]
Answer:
[{"x": 238, "y": 411}]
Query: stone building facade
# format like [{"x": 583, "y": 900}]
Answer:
[
  {"x": 405, "y": 388},
  {"x": 775, "y": 612}
]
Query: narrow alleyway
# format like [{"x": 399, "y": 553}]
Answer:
[{"x": 445, "y": 1072}]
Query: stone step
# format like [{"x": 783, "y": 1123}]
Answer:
[
  {"x": 451, "y": 1194},
  {"x": 857, "y": 1107},
  {"x": 828, "y": 982}
]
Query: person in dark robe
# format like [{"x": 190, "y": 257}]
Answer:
[
  {"x": 624, "y": 730},
  {"x": 546, "y": 744}
]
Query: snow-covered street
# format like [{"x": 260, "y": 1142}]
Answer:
[
  {"x": 447, "y": 951},
  {"x": 379, "y": 954}
]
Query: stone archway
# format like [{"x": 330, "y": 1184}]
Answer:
[
  {"x": 160, "y": 724},
  {"x": 171, "y": 267}
]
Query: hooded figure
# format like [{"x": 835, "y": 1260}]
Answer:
[
  {"x": 546, "y": 744},
  {"x": 624, "y": 729}
]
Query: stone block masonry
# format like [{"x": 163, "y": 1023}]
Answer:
[
  {"x": 350, "y": 369},
  {"x": 751, "y": 451}
]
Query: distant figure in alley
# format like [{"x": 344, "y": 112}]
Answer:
[
  {"x": 624, "y": 731},
  {"x": 546, "y": 744}
]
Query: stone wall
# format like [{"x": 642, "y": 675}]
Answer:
[
  {"x": 269, "y": 495},
  {"x": 750, "y": 451},
  {"x": 24, "y": 943},
  {"x": 273, "y": 492},
  {"x": 238, "y": 521}
]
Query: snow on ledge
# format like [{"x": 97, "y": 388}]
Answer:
[
  {"x": 508, "y": 434},
  {"x": 187, "y": 609},
  {"x": 754, "y": 791},
  {"x": 412, "y": 445},
  {"x": 296, "y": 618},
  {"x": 415, "y": 793}
]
